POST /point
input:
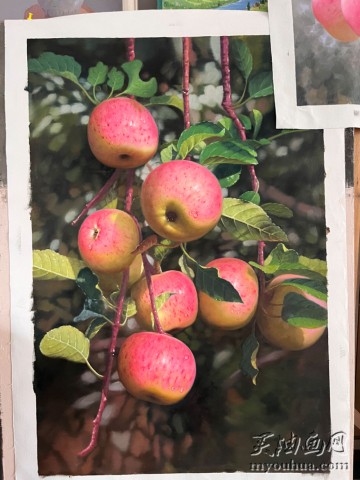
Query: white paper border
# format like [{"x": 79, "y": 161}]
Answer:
[
  {"x": 288, "y": 113},
  {"x": 146, "y": 24}
]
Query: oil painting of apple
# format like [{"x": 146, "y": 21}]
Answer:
[
  {"x": 181, "y": 200},
  {"x": 271, "y": 323},
  {"x": 231, "y": 315},
  {"x": 156, "y": 367},
  {"x": 330, "y": 14},
  {"x": 107, "y": 240},
  {"x": 179, "y": 310},
  {"x": 122, "y": 133}
]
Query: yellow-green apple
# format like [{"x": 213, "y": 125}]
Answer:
[
  {"x": 271, "y": 323},
  {"x": 156, "y": 367},
  {"x": 330, "y": 15},
  {"x": 122, "y": 133},
  {"x": 181, "y": 200},
  {"x": 179, "y": 310},
  {"x": 110, "y": 283},
  {"x": 351, "y": 12},
  {"x": 107, "y": 239},
  {"x": 231, "y": 315}
]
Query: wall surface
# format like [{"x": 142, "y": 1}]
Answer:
[{"x": 13, "y": 10}]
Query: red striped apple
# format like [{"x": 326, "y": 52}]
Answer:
[
  {"x": 351, "y": 12},
  {"x": 122, "y": 133},
  {"x": 179, "y": 310},
  {"x": 231, "y": 315},
  {"x": 330, "y": 15},
  {"x": 156, "y": 367},
  {"x": 181, "y": 200},
  {"x": 274, "y": 328},
  {"x": 107, "y": 239}
]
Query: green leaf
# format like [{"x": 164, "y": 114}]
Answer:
[
  {"x": 261, "y": 85},
  {"x": 116, "y": 79},
  {"x": 248, "y": 359},
  {"x": 230, "y": 126},
  {"x": 49, "y": 265},
  {"x": 160, "y": 301},
  {"x": 169, "y": 152},
  {"x": 162, "y": 251},
  {"x": 129, "y": 309},
  {"x": 168, "y": 100},
  {"x": 196, "y": 134},
  {"x": 300, "y": 312},
  {"x": 256, "y": 144},
  {"x": 281, "y": 255},
  {"x": 315, "y": 288},
  {"x": 247, "y": 221},
  {"x": 95, "y": 326},
  {"x": 184, "y": 267},
  {"x": 87, "y": 315},
  {"x": 98, "y": 74},
  {"x": 208, "y": 281},
  {"x": 314, "y": 264},
  {"x": 228, "y": 152},
  {"x": 282, "y": 260},
  {"x": 136, "y": 86},
  {"x": 228, "y": 175},
  {"x": 257, "y": 119},
  {"x": 277, "y": 210},
  {"x": 60, "y": 65},
  {"x": 242, "y": 57},
  {"x": 245, "y": 121},
  {"x": 88, "y": 282},
  {"x": 252, "y": 197},
  {"x": 66, "y": 342}
]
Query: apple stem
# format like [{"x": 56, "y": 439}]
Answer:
[
  {"x": 107, "y": 376},
  {"x": 229, "y": 109},
  {"x": 186, "y": 80},
  {"x": 99, "y": 196}
]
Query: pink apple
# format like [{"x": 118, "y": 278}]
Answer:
[
  {"x": 181, "y": 200},
  {"x": 271, "y": 324},
  {"x": 351, "y": 12},
  {"x": 330, "y": 15},
  {"x": 156, "y": 367},
  {"x": 107, "y": 239},
  {"x": 179, "y": 310},
  {"x": 231, "y": 315},
  {"x": 122, "y": 133}
]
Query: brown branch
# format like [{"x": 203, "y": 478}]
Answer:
[
  {"x": 130, "y": 49},
  {"x": 107, "y": 376},
  {"x": 99, "y": 196},
  {"x": 186, "y": 80},
  {"x": 148, "y": 271}
]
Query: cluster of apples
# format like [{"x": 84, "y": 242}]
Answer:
[
  {"x": 181, "y": 201},
  {"x": 340, "y": 18}
]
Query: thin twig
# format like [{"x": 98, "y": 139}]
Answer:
[
  {"x": 99, "y": 196},
  {"x": 111, "y": 355},
  {"x": 186, "y": 80}
]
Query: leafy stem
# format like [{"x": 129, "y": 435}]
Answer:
[{"x": 94, "y": 101}]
